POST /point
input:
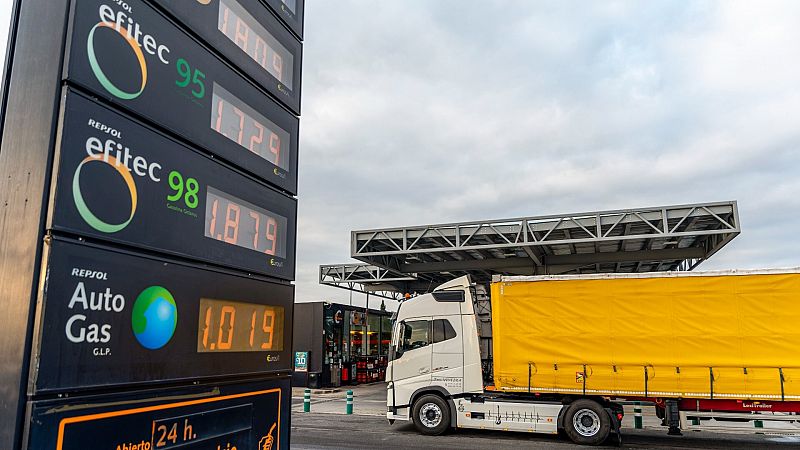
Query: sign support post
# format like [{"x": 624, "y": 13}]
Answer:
[{"x": 133, "y": 277}]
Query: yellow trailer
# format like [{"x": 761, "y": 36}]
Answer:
[{"x": 710, "y": 335}]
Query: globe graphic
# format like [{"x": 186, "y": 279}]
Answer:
[{"x": 154, "y": 317}]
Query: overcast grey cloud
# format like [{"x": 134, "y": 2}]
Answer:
[
  {"x": 422, "y": 111},
  {"x": 437, "y": 111}
]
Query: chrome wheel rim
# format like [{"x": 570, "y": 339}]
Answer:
[
  {"x": 586, "y": 422},
  {"x": 430, "y": 415}
]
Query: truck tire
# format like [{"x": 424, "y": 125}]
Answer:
[
  {"x": 587, "y": 423},
  {"x": 431, "y": 415}
]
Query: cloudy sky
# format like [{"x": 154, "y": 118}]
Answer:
[{"x": 422, "y": 111}]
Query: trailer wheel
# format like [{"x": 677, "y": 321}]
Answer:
[
  {"x": 587, "y": 423},
  {"x": 431, "y": 415}
]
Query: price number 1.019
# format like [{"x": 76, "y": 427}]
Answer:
[{"x": 226, "y": 326}]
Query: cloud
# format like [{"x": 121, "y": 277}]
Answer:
[{"x": 423, "y": 112}]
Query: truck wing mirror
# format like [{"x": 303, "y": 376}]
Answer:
[{"x": 397, "y": 345}]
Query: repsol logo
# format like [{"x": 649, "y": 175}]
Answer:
[
  {"x": 87, "y": 273},
  {"x": 138, "y": 41},
  {"x": 105, "y": 128}
]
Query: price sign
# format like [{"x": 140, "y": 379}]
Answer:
[
  {"x": 252, "y": 38},
  {"x": 112, "y": 318},
  {"x": 152, "y": 151},
  {"x": 123, "y": 182},
  {"x": 291, "y": 11},
  {"x": 255, "y": 331},
  {"x": 218, "y": 417},
  {"x": 133, "y": 56},
  {"x": 301, "y": 361}
]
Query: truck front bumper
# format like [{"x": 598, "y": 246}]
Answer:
[
  {"x": 393, "y": 413},
  {"x": 400, "y": 414}
]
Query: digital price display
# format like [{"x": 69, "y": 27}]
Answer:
[
  {"x": 242, "y": 124},
  {"x": 133, "y": 56},
  {"x": 111, "y": 318},
  {"x": 255, "y": 41},
  {"x": 214, "y": 417},
  {"x": 247, "y": 34},
  {"x": 123, "y": 182},
  {"x": 228, "y": 326},
  {"x": 237, "y": 222}
]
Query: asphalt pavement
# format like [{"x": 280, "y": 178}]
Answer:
[{"x": 327, "y": 427}]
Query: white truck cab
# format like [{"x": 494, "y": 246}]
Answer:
[{"x": 435, "y": 377}]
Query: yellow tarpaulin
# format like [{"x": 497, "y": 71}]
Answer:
[{"x": 730, "y": 336}]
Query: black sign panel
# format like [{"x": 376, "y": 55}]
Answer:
[
  {"x": 109, "y": 318},
  {"x": 250, "y": 36},
  {"x": 291, "y": 11},
  {"x": 121, "y": 181},
  {"x": 135, "y": 57},
  {"x": 228, "y": 417}
]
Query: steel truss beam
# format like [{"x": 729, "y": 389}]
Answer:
[
  {"x": 366, "y": 278},
  {"x": 631, "y": 240}
]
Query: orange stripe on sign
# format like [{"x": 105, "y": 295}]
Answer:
[{"x": 126, "y": 412}]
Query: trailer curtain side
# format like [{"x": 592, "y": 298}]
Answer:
[{"x": 716, "y": 336}]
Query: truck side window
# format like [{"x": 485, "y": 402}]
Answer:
[
  {"x": 416, "y": 334},
  {"x": 442, "y": 330}
]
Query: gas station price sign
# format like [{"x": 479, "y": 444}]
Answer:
[
  {"x": 152, "y": 148},
  {"x": 133, "y": 56},
  {"x": 112, "y": 318},
  {"x": 291, "y": 12},
  {"x": 258, "y": 327},
  {"x": 120, "y": 181},
  {"x": 214, "y": 417},
  {"x": 247, "y": 34}
]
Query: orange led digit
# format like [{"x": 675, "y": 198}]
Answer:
[
  {"x": 268, "y": 329},
  {"x": 275, "y": 147},
  {"x": 243, "y": 222},
  {"x": 240, "y": 123},
  {"x": 257, "y": 138},
  {"x": 227, "y": 317},
  {"x": 272, "y": 236},
  {"x": 263, "y": 332},
  {"x": 256, "y": 219}
]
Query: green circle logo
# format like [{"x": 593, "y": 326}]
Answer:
[
  {"x": 84, "y": 210},
  {"x": 154, "y": 317},
  {"x": 98, "y": 71}
]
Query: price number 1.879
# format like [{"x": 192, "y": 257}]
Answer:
[{"x": 239, "y": 223}]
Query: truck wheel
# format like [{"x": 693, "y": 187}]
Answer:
[
  {"x": 431, "y": 415},
  {"x": 587, "y": 423}
]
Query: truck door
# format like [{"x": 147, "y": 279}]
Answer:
[
  {"x": 411, "y": 367},
  {"x": 448, "y": 355}
]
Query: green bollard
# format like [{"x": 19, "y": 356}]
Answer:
[
  {"x": 307, "y": 401},
  {"x": 349, "y": 409},
  {"x": 637, "y": 415}
]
